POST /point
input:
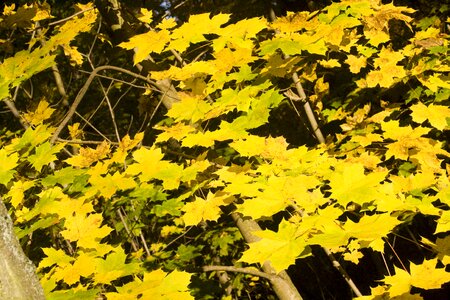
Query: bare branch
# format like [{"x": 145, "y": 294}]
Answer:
[
  {"x": 234, "y": 269},
  {"x": 83, "y": 91}
]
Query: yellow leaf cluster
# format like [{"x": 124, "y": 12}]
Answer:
[
  {"x": 87, "y": 156},
  {"x": 40, "y": 114}
]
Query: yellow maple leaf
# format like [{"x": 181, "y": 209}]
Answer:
[
  {"x": 330, "y": 63},
  {"x": 280, "y": 248},
  {"x": 353, "y": 256},
  {"x": 292, "y": 22},
  {"x": 87, "y": 156},
  {"x": 387, "y": 57},
  {"x": 109, "y": 185},
  {"x": 376, "y": 36},
  {"x": 8, "y": 163},
  {"x": 356, "y": 63},
  {"x": 204, "y": 209},
  {"x": 147, "y": 16},
  {"x": 349, "y": 184},
  {"x": 86, "y": 230},
  {"x": 40, "y": 114},
  {"x": 169, "y": 173},
  {"x": 227, "y": 58},
  {"x": 156, "y": 284},
  {"x": 125, "y": 145},
  {"x": 239, "y": 33},
  {"x": 392, "y": 130},
  {"x": 436, "y": 114},
  {"x": 428, "y": 276},
  {"x": 434, "y": 82},
  {"x": 83, "y": 265},
  {"x": 194, "y": 30},
  {"x": 147, "y": 43},
  {"x": 16, "y": 192},
  {"x": 75, "y": 131},
  {"x": 443, "y": 223},
  {"x": 53, "y": 256},
  {"x": 76, "y": 58},
  {"x": 191, "y": 108},
  {"x": 371, "y": 229},
  {"x": 113, "y": 267},
  {"x": 177, "y": 131},
  {"x": 400, "y": 283}
]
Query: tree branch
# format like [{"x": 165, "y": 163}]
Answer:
[
  {"x": 83, "y": 91},
  {"x": 240, "y": 270}
]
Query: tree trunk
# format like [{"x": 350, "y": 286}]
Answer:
[{"x": 18, "y": 279}]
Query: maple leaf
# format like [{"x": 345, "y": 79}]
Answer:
[
  {"x": 85, "y": 229},
  {"x": 21, "y": 67},
  {"x": 194, "y": 30},
  {"x": 443, "y": 222},
  {"x": 239, "y": 33},
  {"x": 169, "y": 173},
  {"x": 76, "y": 58},
  {"x": 424, "y": 276},
  {"x": 356, "y": 63},
  {"x": 44, "y": 154},
  {"x": 177, "y": 131},
  {"x": 279, "y": 66},
  {"x": 376, "y": 36},
  {"x": 75, "y": 131},
  {"x": 204, "y": 209},
  {"x": 56, "y": 202},
  {"x": 292, "y": 22},
  {"x": 400, "y": 283},
  {"x": 126, "y": 144},
  {"x": 349, "y": 184},
  {"x": 203, "y": 139},
  {"x": 114, "y": 266},
  {"x": 83, "y": 265},
  {"x": 87, "y": 156},
  {"x": 109, "y": 185},
  {"x": 392, "y": 130},
  {"x": 8, "y": 163},
  {"x": 436, "y": 114},
  {"x": 31, "y": 137},
  {"x": 156, "y": 284},
  {"x": 147, "y": 43},
  {"x": 70, "y": 29},
  {"x": 280, "y": 248},
  {"x": 330, "y": 63},
  {"x": 147, "y": 16},
  {"x": 40, "y": 114},
  {"x": 16, "y": 192},
  {"x": 427, "y": 276},
  {"x": 370, "y": 229},
  {"x": 54, "y": 257},
  {"x": 189, "y": 108}
]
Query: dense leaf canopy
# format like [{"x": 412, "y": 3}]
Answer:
[{"x": 186, "y": 149}]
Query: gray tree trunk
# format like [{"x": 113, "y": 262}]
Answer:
[{"x": 18, "y": 279}]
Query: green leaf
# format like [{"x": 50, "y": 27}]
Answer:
[
  {"x": 8, "y": 163},
  {"x": 44, "y": 154}
]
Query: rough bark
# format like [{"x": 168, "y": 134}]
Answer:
[{"x": 18, "y": 279}]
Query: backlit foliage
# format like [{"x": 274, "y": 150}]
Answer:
[{"x": 388, "y": 164}]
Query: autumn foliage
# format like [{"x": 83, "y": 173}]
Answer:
[{"x": 122, "y": 219}]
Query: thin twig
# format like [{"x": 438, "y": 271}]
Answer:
[
  {"x": 111, "y": 110},
  {"x": 344, "y": 273},
  {"x": 93, "y": 127},
  {"x": 130, "y": 234},
  {"x": 70, "y": 17},
  {"x": 249, "y": 271},
  {"x": 83, "y": 91}
]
